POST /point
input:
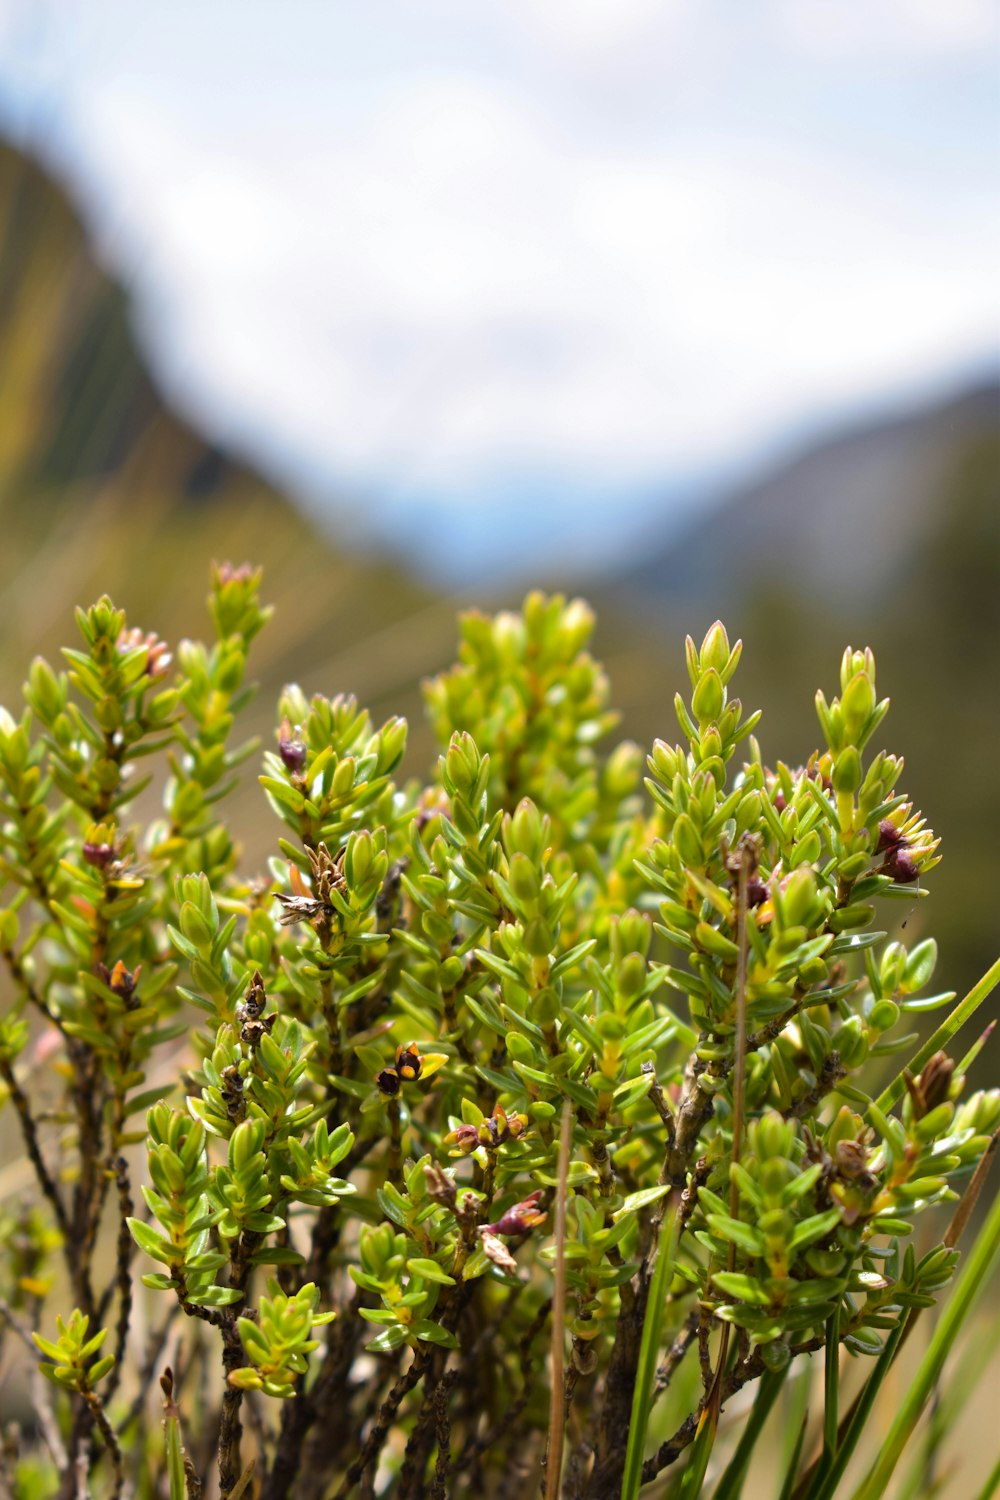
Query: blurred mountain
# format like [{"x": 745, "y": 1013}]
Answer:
[
  {"x": 850, "y": 515},
  {"x": 104, "y": 488},
  {"x": 888, "y": 535}
]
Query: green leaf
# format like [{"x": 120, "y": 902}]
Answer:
[
  {"x": 808, "y": 1231},
  {"x": 429, "y": 1270},
  {"x": 640, "y": 1199},
  {"x": 393, "y": 1205},
  {"x": 387, "y": 1340},
  {"x": 738, "y": 1233},
  {"x": 154, "y": 1245},
  {"x": 745, "y": 1288},
  {"x": 433, "y": 1333},
  {"x": 216, "y": 1296}
]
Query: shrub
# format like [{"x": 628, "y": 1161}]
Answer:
[{"x": 507, "y": 1066}]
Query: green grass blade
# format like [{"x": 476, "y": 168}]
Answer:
[
  {"x": 992, "y": 1486},
  {"x": 956, "y": 1310},
  {"x": 701, "y": 1451},
  {"x": 175, "y": 1460},
  {"x": 948, "y": 1028},
  {"x": 824, "y": 1482},
  {"x": 731, "y": 1484},
  {"x": 788, "y": 1487},
  {"x": 831, "y": 1390},
  {"x": 649, "y": 1349}
]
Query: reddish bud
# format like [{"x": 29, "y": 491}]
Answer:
[
  {"x": 98, "y": 855},
  {"x": 290, "y": 748},
  {"x": 757, "y": 891},
  {"x": 889, "y": 836},
  {"x": 520, "y": 1217},
  {"x": 901, "y": 866}
]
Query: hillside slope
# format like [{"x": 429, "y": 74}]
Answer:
[{"x": 847, "y": 514}]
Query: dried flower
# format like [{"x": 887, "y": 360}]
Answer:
[
  {"x": 232, "y": 1090},
  {"x": 464, "y": 1139},
  {"x": 933, "y": 1085},
  {"x": 496, "y": 1251},
  {"x": 440, "y": 1186},
  {"x": 388, "y": 1082},
  {"x": 408, "y": 1063},
  {"x": 520, "y": 1217},
  {"x": 120, "y": 982}
]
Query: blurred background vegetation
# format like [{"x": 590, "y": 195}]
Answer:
[{"x": 886, "y": 534}]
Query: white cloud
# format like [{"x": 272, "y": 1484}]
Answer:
[{"x": 888, "y": 29}]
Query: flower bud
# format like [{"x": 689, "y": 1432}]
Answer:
[
  {"x": 935, "y": 1081},
  {"x": 715, "y": 648},
  {"x": 847, "y": 770},
  {"x": 709, "y": 697},
  {"x": 290, "y": 748},
  {"x": 523, "y": 878},
  {"x": 520, "y": 1217}
]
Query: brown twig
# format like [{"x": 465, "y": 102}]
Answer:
[
  {"x": 676, "y": 1353},
  {"x": 742, "y": 1375},
  {"x": 476, "y": 1447},
  {"x": 442, "y": 1430},
  {"x": 155, "y": 1350},
  {"x": 29, "y": 1132},
  {"x": 384, "y": 1418},
  {"x": 123, "y": 1280},
  {"x": 99, "y": 1418},
  {"x": 230, "y": 1425}
]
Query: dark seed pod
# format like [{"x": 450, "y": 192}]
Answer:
[{"x": 388, "y": 1082}]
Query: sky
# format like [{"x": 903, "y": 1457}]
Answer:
[{"x": 528, "y": 271}]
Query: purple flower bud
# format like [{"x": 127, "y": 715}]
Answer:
[
  {"x": 293, "y": 754},
  {"x": 520, "y": 1217},
  {"x": 757, "y": 891},
  {"x": 901, "y": 866},
  {"x": 889, "y": 836},
  {"x": 98, "y": 855}
]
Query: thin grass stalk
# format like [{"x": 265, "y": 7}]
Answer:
[
  {"x": 956, "y": 1311},
  {"x": 831, "y": 1390},
  {"x": 822, "y": 1483},
  {"x": 693, "y": 1478},
  {"x": 730, "y": 1486},
  {"x": 992, "y": 1486},
  {"x": 649, "y": 1349},
  {"x": 793, "y": 1460}
]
